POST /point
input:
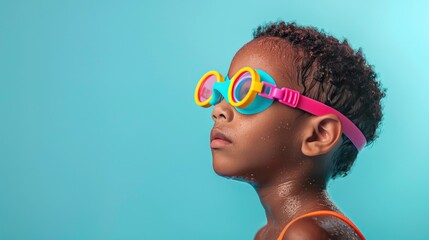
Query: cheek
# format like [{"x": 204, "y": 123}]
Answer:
[
  {"x": 270, "y": 145},
  {"x": 250, "y": 150},
  {"x": 260, "y": 142},
  {"x": 260, "y": 148}
]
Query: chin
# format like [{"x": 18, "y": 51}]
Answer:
[{"x": 224, "y": 167}]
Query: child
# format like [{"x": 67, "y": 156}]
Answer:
[{"x": 293, "y": 112}]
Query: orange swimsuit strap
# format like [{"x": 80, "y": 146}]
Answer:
[{"x": 318, "y": 213}]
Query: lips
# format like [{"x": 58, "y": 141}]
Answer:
[{"x": 216, "y": 133}]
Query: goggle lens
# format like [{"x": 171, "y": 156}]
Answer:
[
  {"x": 242, "y": 86},
  {"x": 206, "y": 88}
]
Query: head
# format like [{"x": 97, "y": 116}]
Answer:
[{"x": 283, "y": 142}]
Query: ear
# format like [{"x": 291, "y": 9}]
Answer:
[{"x": 321, "y": 134}]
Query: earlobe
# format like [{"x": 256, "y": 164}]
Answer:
[{"x": 321, "y": 135}]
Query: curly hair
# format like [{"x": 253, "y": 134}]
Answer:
[{"x": 333, "y": 73}]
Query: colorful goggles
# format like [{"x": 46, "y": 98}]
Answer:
[{"x": 252, "y": 91}]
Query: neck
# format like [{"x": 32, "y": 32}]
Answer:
[{"x": 289, "y": 198}]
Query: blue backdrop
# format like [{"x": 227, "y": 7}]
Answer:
[{"x": 100, "y": 137}]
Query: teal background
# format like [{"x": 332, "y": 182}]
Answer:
[{"x": 100, "y": 137}]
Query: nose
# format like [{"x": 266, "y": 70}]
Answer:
[{"x": 223, "y": 112}]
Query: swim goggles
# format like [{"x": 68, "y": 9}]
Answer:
[{"x": 251, "y": 91}]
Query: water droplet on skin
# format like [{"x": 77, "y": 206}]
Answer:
[
  {"x": 291, "y": 205},
  {"x": 282, "y": 125},
  {"x": 265, "y": 138},
  {"x": 311, "y": 181}
]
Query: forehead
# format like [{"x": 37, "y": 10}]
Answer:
[{"x": 273, "y": 55}]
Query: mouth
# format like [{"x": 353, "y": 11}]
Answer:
[{"x": 218, "y": 138}]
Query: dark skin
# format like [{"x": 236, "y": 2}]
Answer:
[{"x": 284, "y": 153}]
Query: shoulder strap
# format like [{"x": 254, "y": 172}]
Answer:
[{"x": 318, "y": 213}]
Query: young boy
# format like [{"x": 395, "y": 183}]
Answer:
[{"x": 293, "y": 112}]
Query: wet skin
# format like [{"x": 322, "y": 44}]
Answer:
[{"x": 284, "y": 153}]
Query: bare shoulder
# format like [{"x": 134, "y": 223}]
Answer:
[{"x": 320, "y": 228}]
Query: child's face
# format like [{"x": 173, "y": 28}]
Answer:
[{"x": 262, "y": 143}]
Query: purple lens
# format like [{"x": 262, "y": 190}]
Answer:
[{"x": 242, "y": 86}]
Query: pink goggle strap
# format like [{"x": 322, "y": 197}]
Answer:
[{"x": 293, "y": 98}]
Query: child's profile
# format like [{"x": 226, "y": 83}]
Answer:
[{"x": 286, "y": 153}]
